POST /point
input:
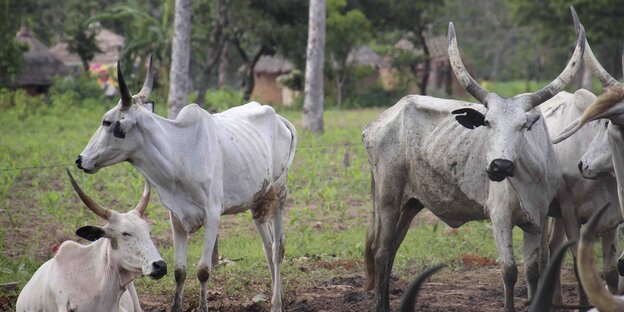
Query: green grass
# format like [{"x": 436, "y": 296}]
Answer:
[{"x": 327, "y": 214}]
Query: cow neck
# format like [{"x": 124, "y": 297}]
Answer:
[
  {"x": 112, "y": 277},
  {"x": 161, "y": 140},
  {"x": 616, "y": 144}
]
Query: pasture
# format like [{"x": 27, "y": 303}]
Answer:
[{"x": 325, "y": 223}]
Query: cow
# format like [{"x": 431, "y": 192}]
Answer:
[
  {"x": 203, "y": 166},
  {"x": 492, "y": 161},
  {"x": 605, "y": 155},
  {"x": 578, "y": 198},
  {"x": 97, "y": 277}
]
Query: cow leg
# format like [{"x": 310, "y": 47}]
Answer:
[
  {"x": 531, "y": 247},
  {"x": 609, "y": 241},
  {"x": 211, "y": 226},
  {"x": 371, "y": 242},
  {"x": 556, "y": 239},
  {"x": 502, "y": 227},
  {"x": 389, "y": 218},
  {"x": 278, "y": 256},
  {"x": 572, "y": 229},
  {"x": 180, "y": 247},
  {"x": 267, "y": 242}
]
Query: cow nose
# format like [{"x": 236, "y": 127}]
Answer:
[
  {"x": 580, "y": 166},
  {"x": 79, "y": 162},
  {"x": 159, "y": 269},
  {"x": 499, "y": 169}
]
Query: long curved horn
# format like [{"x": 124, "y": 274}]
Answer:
[
  {"x": 590, "y": 59},
  {"x": 149, "y": 80},
  {"x": 554, "y": 87},
  {"x": 460, "y": 71},
  {"x": 546, "y": 287},
  {"x": 90, "y": 203},
  {"x": 597, "y": 294},
  {"x": 409, "y": 299},
  {"x": 142, "y": 205},
  {"x": 126, "y": 97}
]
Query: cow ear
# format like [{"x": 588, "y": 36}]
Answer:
[
  {"x": 149, "y": 105},
  {"x": 122, "y": 127},
  {"x": 531, "y": 120},
  {"x": 91, "y": 233},
  {"x": 469, "y": 118}
]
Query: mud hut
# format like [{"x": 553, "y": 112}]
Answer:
[
  {"x": 107, "y": 41},
  {"x": 266, "y": 89},
  {"x": 40, "y": 65}
]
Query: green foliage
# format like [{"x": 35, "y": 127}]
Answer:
[
  {"x": 77, "y": 88},
  {"x": 292, "y": 80},
  {"x": 218, "y": 100},
  {"x": 11, "y": 59}
]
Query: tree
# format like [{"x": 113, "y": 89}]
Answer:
[
  {"x": 406, "y": 16},
  {"x": 313, "y": 97},
  {"x": 180, "y": 58},
  {"x": 553, "y": 23},
  {"x": 345, "y": 31}
]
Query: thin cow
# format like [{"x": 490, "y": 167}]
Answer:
[
  {"x": 97, "y": 277},
  {"x": 492, "y": 161},
  {"x": 203, "y": 166}
]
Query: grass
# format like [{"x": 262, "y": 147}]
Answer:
[{"x": 325, "y": 225}]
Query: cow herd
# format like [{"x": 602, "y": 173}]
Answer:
[{"x": 462, "y": 161}]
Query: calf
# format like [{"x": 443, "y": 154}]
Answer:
[{"x": 94, "y": 277}]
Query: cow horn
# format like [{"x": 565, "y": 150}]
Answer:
[
  {"x": 590, "y": 59},
  {"x": 546, "y": 286},
  {"x": 90, "y": 203},
  {"x": 142, "y": 205},
  {"x": 126, "y": 97},
  {"x": 554, "y": 87},
  {"x": 460, "y": 71},
  {"x": 597, "y": 294},
  {"x": 409, "y": 298},
  {"x": 149, "y": 80}
]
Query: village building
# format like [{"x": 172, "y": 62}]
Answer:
[
  {"x": 39, "y": 67},
  {"x": 109, "y": 43},
  {"x": 266, "y": 88}
]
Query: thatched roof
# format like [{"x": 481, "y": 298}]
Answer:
[
  {"x": 437, "y": 46},
  {"x": 273, "y": 64},
  {"x": 109, "y": 43},
  {"x": 365, "y": 56},
  {"x": 40, "y": 65}
]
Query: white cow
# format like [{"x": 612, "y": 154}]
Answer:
[
  {"x": 421, "y": 157},
  {"x": 203, "y": 166},
  {"x": 578, "y": 197},
  {"x": 97, "y": 277}
]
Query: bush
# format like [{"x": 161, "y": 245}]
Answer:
[
  {"x": 76, "y": 88},
  {"x": 221, "y": 99}
]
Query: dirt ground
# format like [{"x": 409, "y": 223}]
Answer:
[{"x": 468, "y": 289}]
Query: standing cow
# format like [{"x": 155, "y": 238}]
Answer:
[
  {"x": 422, "y": 157},
  {"x": 94, "y": 277},
  {"x": 203, "y": 166}
]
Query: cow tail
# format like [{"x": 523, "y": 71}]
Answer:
[
  {"x": 371, "y": 235},
  {"x": 293, "y": 147}
]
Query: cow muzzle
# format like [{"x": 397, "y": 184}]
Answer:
[
  {"x": 499, "y": 169},
  {"x": 159, "y": 269},
  {"x": 588, "y": 173},
  {"x": 79, "y": 165}
]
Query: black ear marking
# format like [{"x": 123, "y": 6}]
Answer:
[
  {"x": 469, "y": 117},
  {"x": 90, "y": 233},
  {"x": 118, "y": 132},
  {"x": 532, "y": 120}
]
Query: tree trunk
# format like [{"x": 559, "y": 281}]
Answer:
[
  {"x": 223, "y": 68},
  {"x": 313, "y": 97},
  {"x": 180, "y": 58},
  {"x": 586, "y": 79},
  {"x": 250, "y": 81},
  {"x": 341, "y": 78},
  {"x": 425, "y": 77}
]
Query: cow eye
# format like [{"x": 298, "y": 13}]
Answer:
[
  {"x": 126, "y": 234},
  {"x": 106, "y": 123}
]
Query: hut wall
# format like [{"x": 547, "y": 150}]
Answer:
[{"x": 266, "y": 90}]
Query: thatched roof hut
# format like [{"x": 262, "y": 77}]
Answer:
[
  {"x": 40, "y": 65},
  {"x": 107, "y": 41},
  {"x": 365, "y": 56},
  {"x": 266, "y": 89}
]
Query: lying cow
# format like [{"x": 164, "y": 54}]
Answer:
[
  {"x": 203, "y": 166},
  {"x": 492, "y": 161},
  {"x": 97, "y": 277}
]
